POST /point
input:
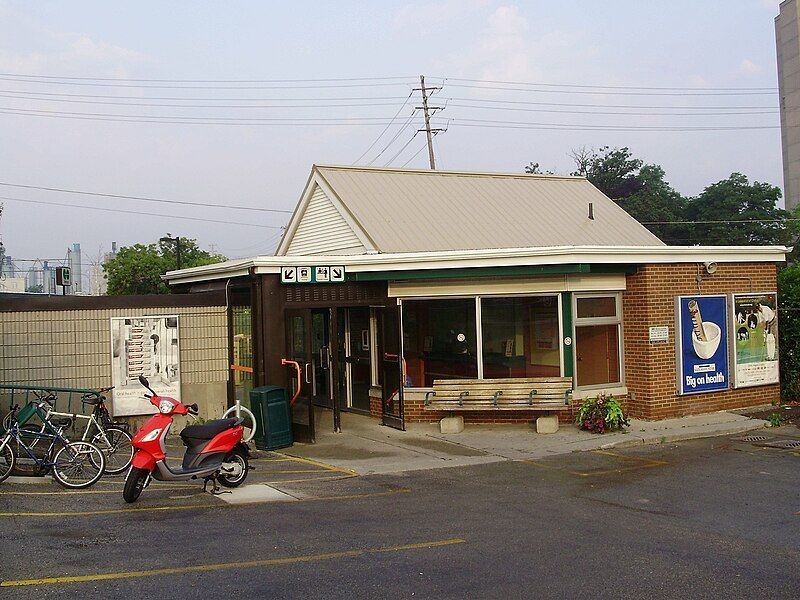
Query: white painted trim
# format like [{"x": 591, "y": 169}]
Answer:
[
  {"x": 504, "y": 257},
  {"x": 484, "y": 286}
]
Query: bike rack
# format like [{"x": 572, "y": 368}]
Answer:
[{"x": 21, "y": 393}]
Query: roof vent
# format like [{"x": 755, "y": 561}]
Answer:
[{"x": 591, "y": 211}]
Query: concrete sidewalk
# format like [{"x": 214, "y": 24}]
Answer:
[{"x": 366, "y": 447}]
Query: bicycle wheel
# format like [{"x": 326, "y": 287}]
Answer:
[
  {"x": 7, "y": 461},
  {"x": 116, "y": 445},
  {"x": 249, "y": 421},
  {"x": 76, "y": 465}
]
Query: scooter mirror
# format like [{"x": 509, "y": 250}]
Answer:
[{"x": 144, "y": 381}]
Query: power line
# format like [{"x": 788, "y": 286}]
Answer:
[
  {"x": 175, "y": 120},
  {"x": 327, "y": 79},
  {"x": 399, "y": 152},
  {"x": 320, "y": 120},
  {"x": 610, "y": 93},
  {"x": 165, "y": 105},
  {"x": 610, "y": 87},
  {"x": 380, "y": 135},
  {"x": 417, "y": 153},
  {"x": 143, "y": 198},
  {"x": 719, "y": 222},
  {"x": 135, "y": 212},
  {"x": 594, "y": 112},
  {"x": 395, "y": 136},
  {"x": 210, "y": 87},
  {"x": 58, "y": 78},
  {"x": 206, "y": 98},
  {"x": 486, "y": 123},
  {"x": 590, "y": 105}
]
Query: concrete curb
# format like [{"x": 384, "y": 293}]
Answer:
[{"x": 667, "y": 438}]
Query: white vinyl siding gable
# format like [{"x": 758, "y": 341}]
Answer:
[{"x": 323, "y": 230}]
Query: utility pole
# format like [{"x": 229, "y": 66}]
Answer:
[{"x": 426, "y": 112}]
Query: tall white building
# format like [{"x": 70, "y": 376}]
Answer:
[{"x": 787, "y": 37}]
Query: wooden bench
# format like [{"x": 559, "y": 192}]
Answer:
[{"x": 530, "y": 393}]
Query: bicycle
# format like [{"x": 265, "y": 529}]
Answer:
[
  {"x": 112, "y": 438},
  {"x": 75, "y": 465}
]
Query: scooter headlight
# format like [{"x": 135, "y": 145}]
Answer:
[
  {"x": 166, "y": 406},
  {"x": 152, "y": 435}
]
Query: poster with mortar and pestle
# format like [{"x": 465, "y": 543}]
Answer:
[{"x": 702, "y": 344}]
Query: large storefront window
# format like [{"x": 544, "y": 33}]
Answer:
[
  {"x": 521, "y": 337},
  {"x": 597, "y": 340},
  {"x": 439, "y": 340}
]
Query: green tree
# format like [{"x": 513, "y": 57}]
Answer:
[
  {"x": 735, "y": 212},
  {"x": 639, "y": 188},
  {"x": 789, "y": 328},
  {"x": 137, "y": 269}
]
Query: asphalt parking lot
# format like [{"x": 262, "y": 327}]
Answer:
[{"x": 708, "y": 518}]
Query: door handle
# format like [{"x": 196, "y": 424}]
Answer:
[{"x": 308, "y": 378}]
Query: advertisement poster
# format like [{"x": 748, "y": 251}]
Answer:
[
  {"x": 755, "y": 331},
  {"x": 702, "y": 344},
  {"x": 143, "y": 346}
]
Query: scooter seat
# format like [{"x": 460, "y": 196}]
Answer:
[{"x": 208, "y": 430}]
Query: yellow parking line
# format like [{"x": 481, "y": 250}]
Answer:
[
  {"x": 317, "y": 463},
  {"x": 295, "y": 472},
  {"x": 287, "y": 560},
  {"x": 117, "y": 511},
  {"x": 646, "y": 464},
  {"x": 626, "y": 457}
]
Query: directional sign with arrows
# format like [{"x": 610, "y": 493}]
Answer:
[{"x": 313, "y": 274}]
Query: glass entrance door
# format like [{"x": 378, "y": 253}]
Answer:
[
  {"x": 392, "y": 367},
  {"x": 298, "y": 348},
  {"x": 357, "y": 358},
  {"x": 321, "y": 376}
]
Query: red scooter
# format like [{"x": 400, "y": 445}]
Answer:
[{"x": 214, "y": 451}]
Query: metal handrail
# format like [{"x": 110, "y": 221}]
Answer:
[{"x": 16, "y": 389}]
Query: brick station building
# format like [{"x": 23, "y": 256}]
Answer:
[{"x": 409, "y": 295}]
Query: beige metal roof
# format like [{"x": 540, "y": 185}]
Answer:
[{"x": 419, "y": 211}]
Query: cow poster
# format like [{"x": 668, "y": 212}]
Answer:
[
  {"x": 755, "y": 335},
  {"x": 702, "y": 344},
  {"x": 143, "y": 346}
]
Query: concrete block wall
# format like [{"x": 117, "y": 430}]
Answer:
[
  {"x": 650, "y": 368},
  {"x": 72, "y": 348}
]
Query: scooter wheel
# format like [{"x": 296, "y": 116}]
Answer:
[
  {"x": 238, "y": 459},
  {"x": 134, "y": 484}
]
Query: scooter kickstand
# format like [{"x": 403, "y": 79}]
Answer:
[{"x": 215, "y": 489}]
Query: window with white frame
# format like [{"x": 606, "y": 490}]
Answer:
[{"x": 597, "y": 319}]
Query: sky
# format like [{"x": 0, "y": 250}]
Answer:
[{"x": 183, "y": 102}]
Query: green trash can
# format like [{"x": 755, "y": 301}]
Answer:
[{"x": 270, "y": 406}]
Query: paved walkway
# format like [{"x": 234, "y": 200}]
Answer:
[{"x": 366, "y": 447}]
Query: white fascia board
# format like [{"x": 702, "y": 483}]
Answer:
[
  {"x": 490, "y": 258},
  {"x": 537, "y": 256}
]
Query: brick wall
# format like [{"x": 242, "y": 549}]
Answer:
[{"x": 650, "y": 369}]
